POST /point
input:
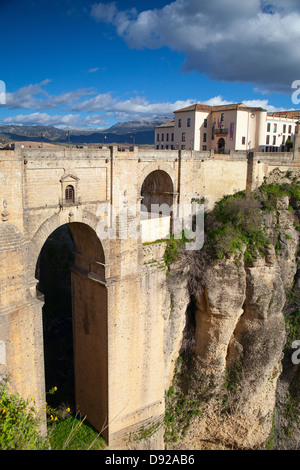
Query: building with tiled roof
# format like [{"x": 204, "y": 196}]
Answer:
[{"x": 225, "y": 128}]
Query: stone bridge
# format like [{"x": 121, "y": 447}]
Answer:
[{"x": 123, "y": 357}]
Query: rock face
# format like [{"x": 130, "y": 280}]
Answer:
[{"x": 240, "y": 332}]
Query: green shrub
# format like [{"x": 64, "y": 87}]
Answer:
[
  {"x": 236, "y": 221},
  {"x": 19, "y": 424},
  {"x": 173, "y": 247}
]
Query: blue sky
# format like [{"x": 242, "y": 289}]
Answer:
[{"x": 89, "y": 64}]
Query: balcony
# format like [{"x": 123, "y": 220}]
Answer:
[
  {"x": 222, "y": 131},
  {"x": 69, "y": 202}
]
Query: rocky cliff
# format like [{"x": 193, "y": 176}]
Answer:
[{"x": 236, "y": 383}]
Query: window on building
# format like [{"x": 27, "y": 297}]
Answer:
[
  {"x": 290, "y": 129},
  {"x": 243, "y": 140},
  {"x": 189, "y": 122},
  {"x": 284, "y": 128},
  {"x": 183, "y": 137},
  {"x": 204, "y": 137},
  {"x": 167, "y": 136},
  {"x": 205, "y": 123},
  {"x": 275, "y": 127},
  {"x": 69, "y": 194},
  {"x": 269, "y": 127},
  {"x": 183, "y": 147},
  {"x": 179, "y": 122},
  {"x": 274, "y": 139},
  {"x": 204, "y": 148},
  {"x": 172, "y": 137},
  {"x": 268, "y": 140}
]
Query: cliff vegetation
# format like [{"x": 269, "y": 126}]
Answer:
[{"x": 236, "y": 384}]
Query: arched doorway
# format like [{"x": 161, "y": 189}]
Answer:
[
  {"x": 71, "y": 276},
  {"x": 157, "y": 190},
  {"x": 221, "y": 145}
]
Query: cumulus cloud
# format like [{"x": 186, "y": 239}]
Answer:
[
  {"x": 85, "y": 108},
  {"x": 62, "y": 121},
  {"x": 34, "y": 96},
  {"x": 79, "y": 108},
  {"x": 28, "y": 96},
  {"x": 250, "y": 41}
]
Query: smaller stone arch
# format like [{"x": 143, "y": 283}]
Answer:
[
  {"x": 163, "y": 166},
  {"x": 157, "y": 199},
  {"x": 157, "y": 191}
]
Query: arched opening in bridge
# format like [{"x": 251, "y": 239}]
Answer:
[
  {"x": 71, "y": 276},
  {"x": 54, "y": 275},
  {"x": 157, "y": 190},
  {"x": 156, "y": 206}
]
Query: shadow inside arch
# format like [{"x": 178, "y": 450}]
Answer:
[{"x": 69, "y": 247}]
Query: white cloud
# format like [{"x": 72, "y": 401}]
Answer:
[
  {"x": 104, "y": 12},
  {"x": 87, "y": 108},
  {"x": 216, "y": 101},
  {"x": 68, "y": 120},
  {"x": 93, "y": 70},
  {"x": 249, "y": 41},
  {"x": 34, "y": 96},
  {"x": 28, "y": 96}
]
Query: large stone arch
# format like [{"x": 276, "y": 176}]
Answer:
[
  {"x": 49, "y": 225},
  {"x": 89, "y": 312}
]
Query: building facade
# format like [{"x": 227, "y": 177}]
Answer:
[{"x": 227, "y": 128}]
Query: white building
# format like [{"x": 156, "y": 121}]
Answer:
[{"x": 227, "y": 128}]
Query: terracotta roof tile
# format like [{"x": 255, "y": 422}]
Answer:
[
  {"x": 289, "y": 114},
  {"x": 224, "y": 107}
]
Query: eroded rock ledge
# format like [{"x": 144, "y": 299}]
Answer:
[{"x": 239, "y": 335}]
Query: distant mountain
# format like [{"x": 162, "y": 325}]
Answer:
[
  {"x": 139, "y": 132},
  {"x": 138, "y": 126}
]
